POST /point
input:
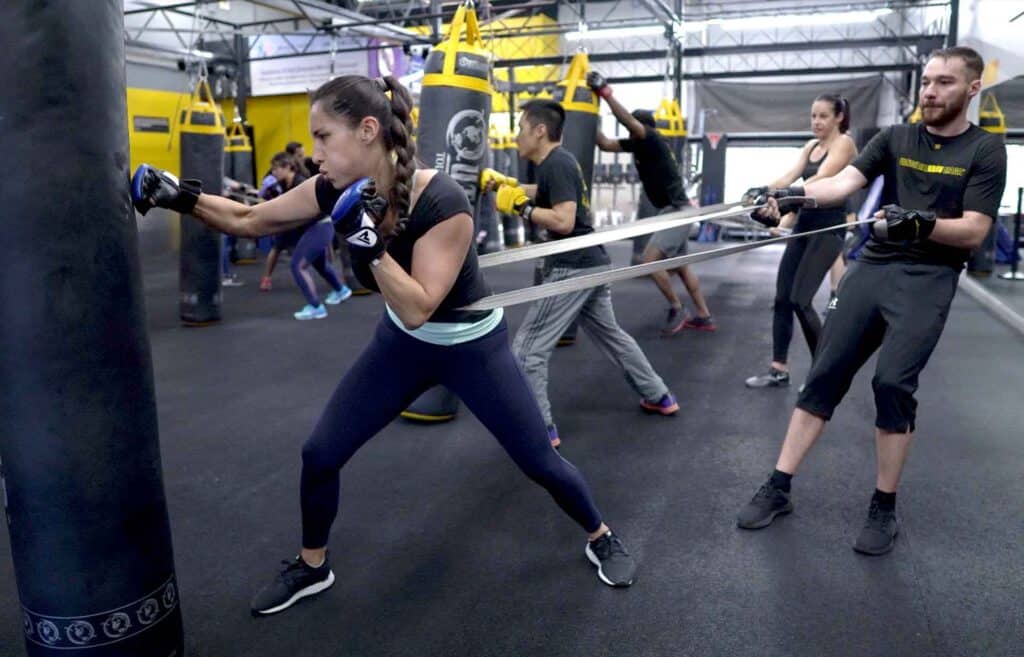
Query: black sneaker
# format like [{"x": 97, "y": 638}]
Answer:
[
  {"x": 614, "y": 565},
  {"x": 879, "y": 533},
  {"x": 767, "y": 503},
  {"x": 773, "y": 379},
  {"x": 296, "y": 580}
]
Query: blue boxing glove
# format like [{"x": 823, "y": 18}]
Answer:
[
  {"x": 348, "y": 209},
  {"x": 152, "y": 187},
  {"x": 356, "y": 215}
]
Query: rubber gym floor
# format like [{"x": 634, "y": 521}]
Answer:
[{"x": 443, "y": 549}]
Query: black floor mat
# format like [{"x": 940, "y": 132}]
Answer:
[{"x": 443, "y": 549}]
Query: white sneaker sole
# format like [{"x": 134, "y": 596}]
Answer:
[
  {"x": 303, "y": 593},
  {"x": 305, "y": 318},
  {"x": 600, "y": 571}
]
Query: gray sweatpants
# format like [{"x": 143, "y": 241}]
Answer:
[{"x": 547, "y": 319}]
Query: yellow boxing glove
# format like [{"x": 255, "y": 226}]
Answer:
[
  {"x": 489, "y": 176},
  {"x": 513, "y": 200}
]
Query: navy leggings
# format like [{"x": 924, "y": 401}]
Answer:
[
  {"x": 393, "y": 370},
  {"x": 312, "y": 250}
]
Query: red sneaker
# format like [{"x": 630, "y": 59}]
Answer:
[{"x": 700, "y": 323}]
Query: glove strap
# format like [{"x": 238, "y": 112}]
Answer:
[
  {"x": 188, "y": 194},
  {"x": 527, "y": 211}
]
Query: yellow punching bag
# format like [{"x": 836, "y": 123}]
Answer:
[
  {"x": 582, "y": 108},
  {"x": 238, "y": 166},
  {"x": 672, "y": 126},
  {"x": 455, "y": 104},
  {"x": 991, "y": 117},
  {"x": 201, "y": 133}
]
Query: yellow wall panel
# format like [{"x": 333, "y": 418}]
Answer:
[
  {"x": 159, "y": 149},
  {"x": 277, "y": 120}
]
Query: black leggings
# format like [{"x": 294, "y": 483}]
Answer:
[
  {"x": 805, "y": 262},
  {"x": 897, "y": 309},
  {"x": 393, "y": 370}
]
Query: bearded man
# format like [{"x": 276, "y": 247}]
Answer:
[{"x": 943, "y": 181}]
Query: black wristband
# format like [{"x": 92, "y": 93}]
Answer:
[{"x": 188, "y": 195}]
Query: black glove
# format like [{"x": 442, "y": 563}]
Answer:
[
  {"x": 365, "y": 243},
  {"x": 755, "y": 195},
  {"x": 152, "y": 187},
  {"x": 760, "y": 216},
  {"x": 899, "y": 225},
  {"x": 599, "y": 84},
  {"x": 760, "y": 196}
]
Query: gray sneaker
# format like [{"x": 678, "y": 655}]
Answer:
[
  {"x": 878, "y": 535},
  {"x": 296, "y": 580},
  {"x": 767, "y": 503},
  {"x": 773, "y": 379},
  {"x": 615, "y": 566}
]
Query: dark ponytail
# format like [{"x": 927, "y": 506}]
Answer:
[
  {"x": 353, "y": 97},
  {"x": 840, "y": 105}
]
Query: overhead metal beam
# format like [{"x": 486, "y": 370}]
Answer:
[
  {"x": 159, "y": 8},
  {"x": 771, "y": 73},
  {"x": 832, "y": 44}
]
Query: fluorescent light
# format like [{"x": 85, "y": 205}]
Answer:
[
  {"x": 796, "y": 20},
  {"x": 615, "y": 32}
]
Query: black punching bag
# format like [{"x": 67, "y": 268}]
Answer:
[
  {"x": 202, "y": 157},
  {"x": 451, "y": 136},
  {"x": 488, "y": 221},
  {"x": 90, "y": 537}
]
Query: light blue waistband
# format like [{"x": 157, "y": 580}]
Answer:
[{"x": 446, "y": 334}]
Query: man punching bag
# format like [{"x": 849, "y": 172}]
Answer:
[
  {"x": 201, "y": 125},
  {"x": 90, "y": 538},
  {"x": 455, "y": 105},
  {"x": 579, "y": 135}
]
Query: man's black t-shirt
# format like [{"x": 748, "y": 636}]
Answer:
[
  {"x": 947, "y": 175},
  {"x": 440, "y": 200},
  {"x": 560, "y": 179},
  {"x": 657, "y": 169}
]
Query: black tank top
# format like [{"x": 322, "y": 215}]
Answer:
[
  {"x": 815, "y": 218},
  {"x": 439, "y": 201}
]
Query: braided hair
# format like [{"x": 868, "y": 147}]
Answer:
[{"x": 354, "y": 97}]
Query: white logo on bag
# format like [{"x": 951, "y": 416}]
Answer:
[
  {"x": 467, "y": 135},
  {"x": 832, "y": 303}
]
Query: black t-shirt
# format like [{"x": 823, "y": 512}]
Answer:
[
  {"x": 657, "y": 169},
  {"x": 287, "y": 240},
  {"x": 442, "y": 199},
  {"x": 947, "y": 175},
  {"x": 560, "y": 179},
  {"x": 815, "y": 218}
]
